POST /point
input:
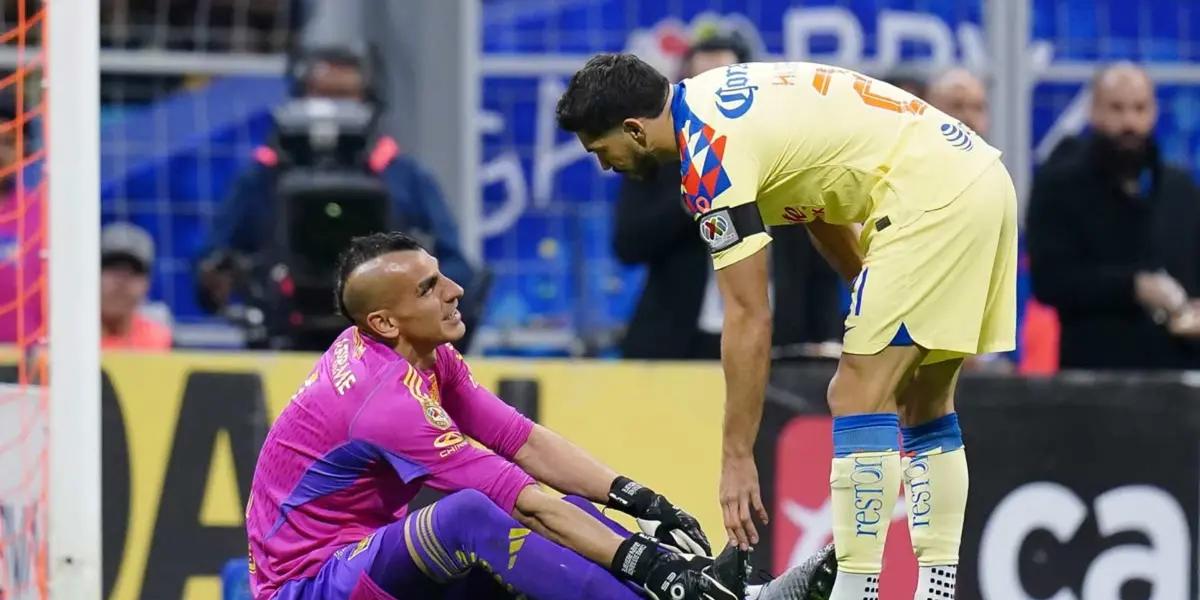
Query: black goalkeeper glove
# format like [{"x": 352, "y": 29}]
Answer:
[
  {"x": 657, "y": 517},
  {"x": 666, "y": 575}
]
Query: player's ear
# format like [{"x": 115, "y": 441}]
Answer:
[
  {"x": 635, "y": 129},
  {"x": 381, "y": 323}
]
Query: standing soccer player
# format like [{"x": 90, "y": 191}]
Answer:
[
  {"x": 389, "y": 409},
  {"x": 907, "y": 203}
]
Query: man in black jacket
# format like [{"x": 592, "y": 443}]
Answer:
[
  {"x": 1114, "y": 237},
  {"x": 678, "y": 315}
]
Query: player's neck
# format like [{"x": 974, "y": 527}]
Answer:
[{"x": 416, "y": 354}]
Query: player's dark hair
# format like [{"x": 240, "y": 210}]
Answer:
[
  {"x": 720, "y": 43},
  {"x": 363, "y": 249},
  {"x": 609, "y": 89}
]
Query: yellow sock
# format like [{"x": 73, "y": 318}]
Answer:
[
  {"x": 935, "y": 491},
  {"x": 935, "y": 495},
  {"x": 863, "y": 494},
  {"x": 863, "y": 482}
]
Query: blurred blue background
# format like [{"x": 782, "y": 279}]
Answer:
[{"x": 546, "y": 207}]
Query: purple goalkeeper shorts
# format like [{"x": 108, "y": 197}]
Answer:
[{"x": 362, "y": 571}]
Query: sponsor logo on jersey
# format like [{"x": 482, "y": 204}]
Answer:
[
  {"x": 362, "y": 545},
  {"x": 717, "y": 230},
  {"x": 803, "y": 214},
  {"x": 449, "y": 443},
  {"x": 343, "y": 377},
  {"x": 958, "y": 136},
  {"x": 736, "y": 95},
  {"x": 448, "y": 439}
]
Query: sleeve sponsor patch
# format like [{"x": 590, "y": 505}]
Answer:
[
  {"x": 725, "y": 228},
  {"x": 718, "y": 231}
]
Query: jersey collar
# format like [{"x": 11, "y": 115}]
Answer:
[{"x": 679, "y": 117}]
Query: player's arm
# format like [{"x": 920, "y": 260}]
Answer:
[
  {"x": 839, "y": 245},
  {"x": 745, "y": 350},
  {"x": 426, "y": 446},
  {"x": 564, "y": 466},
  {"x": 555, "y": 461},
  {"x": 636, "y": 557},
  {"x": 565, "y": 524},
  {"x": 736, "y": 235}
]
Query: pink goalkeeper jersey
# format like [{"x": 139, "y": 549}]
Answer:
[{"x": 356, "y": 443}]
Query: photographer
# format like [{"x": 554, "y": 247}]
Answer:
[{"x": 263, "y": 224}]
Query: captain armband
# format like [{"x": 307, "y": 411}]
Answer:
[{"x": 724, "y": 228}]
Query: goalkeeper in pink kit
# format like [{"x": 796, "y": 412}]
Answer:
[{"x": 388, "y": 409}]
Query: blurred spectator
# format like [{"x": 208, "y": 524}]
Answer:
[
  {"x": 678, "y": 315},
  {"x": 126, "y": 255},
  {"x": 245, "y": 228},
  {"x": 963, "y": 96},
  {"x": 908, "y": 80},
  {"x": 1114, "y": 237}
]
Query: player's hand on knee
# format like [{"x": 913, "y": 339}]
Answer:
[{"x": 657, "y": 517}]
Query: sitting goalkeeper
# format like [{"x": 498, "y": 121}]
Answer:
[{"x": 388, "y": 409}]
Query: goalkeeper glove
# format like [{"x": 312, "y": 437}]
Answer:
[
  {"x": 667, "y": 575},
  {"x": 658, "y": 518}
]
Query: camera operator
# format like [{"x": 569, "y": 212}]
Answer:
[{"x": 268, "y": 241}]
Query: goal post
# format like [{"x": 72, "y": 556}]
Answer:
[{"x": 72, "y": 88}]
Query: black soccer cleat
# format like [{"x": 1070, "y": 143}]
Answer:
[{"x": 732, "y": 568}]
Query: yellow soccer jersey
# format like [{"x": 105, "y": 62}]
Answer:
[{"x": 803, "y": 141}]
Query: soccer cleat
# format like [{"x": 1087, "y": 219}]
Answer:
[{"x": 811, "y": 580}]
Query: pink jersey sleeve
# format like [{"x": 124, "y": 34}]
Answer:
[
  {"x": 421, "y": 442},
  {"x": 481, "y": 414}
]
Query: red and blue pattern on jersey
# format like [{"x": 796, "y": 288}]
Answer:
[{"x": 701, "y": 152}]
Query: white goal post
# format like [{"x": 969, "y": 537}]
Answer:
[{"x": 73, "y": 176}]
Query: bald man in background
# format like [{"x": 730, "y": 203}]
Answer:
[
  {"x": 1113, "y": 234},
  {"x": 962, "y": 95}
]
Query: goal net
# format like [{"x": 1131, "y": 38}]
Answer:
[
  {"x": 23, "y": 310},
  {"x": 49, "y": 301},
  {"x": 22, "y": 492}
]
